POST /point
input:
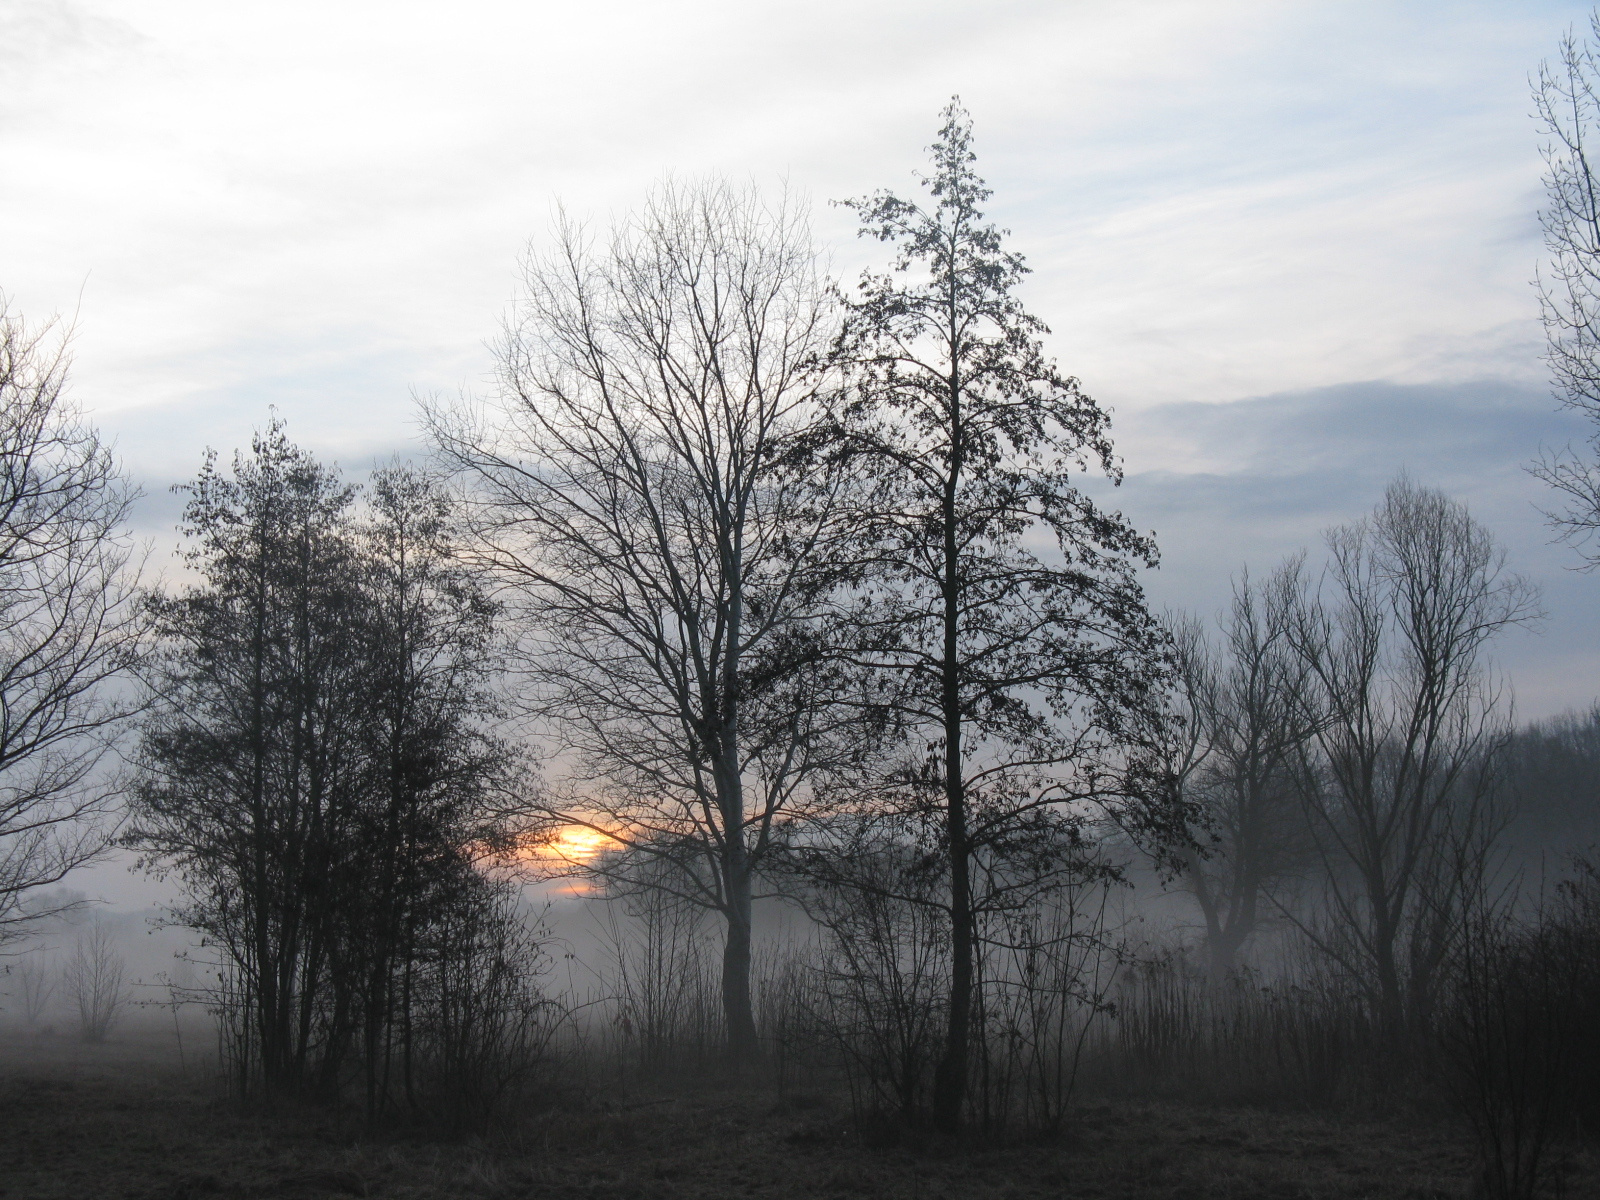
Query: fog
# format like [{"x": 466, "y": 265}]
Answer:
[{"x": 1008, "y": 615}]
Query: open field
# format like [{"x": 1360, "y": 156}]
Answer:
[{"x": 123, "y": 1121}]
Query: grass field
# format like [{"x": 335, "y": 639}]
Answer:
[{"x": 122, "y": 1120}]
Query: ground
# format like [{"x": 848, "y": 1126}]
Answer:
[{"x": 124, "y": 1120}]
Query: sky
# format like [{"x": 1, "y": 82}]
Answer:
[{"x": 1288, "y": 242}]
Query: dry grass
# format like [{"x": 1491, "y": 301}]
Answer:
[{"x": 117, "y": 1121}]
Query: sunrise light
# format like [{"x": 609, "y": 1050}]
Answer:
[{"x": 576, "y": 844}]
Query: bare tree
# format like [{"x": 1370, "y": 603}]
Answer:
[
  {"x": 36, "y": 977},
  {"x": 631, "y": 490},
  {"x": 69, "y": 621},
  {"x": 92, "y": 978},
  {"x": 1407, "y": 728},
  {"x": 1567, "y": 102},
  {"x": 885, "y": 974},
  {"x": 1250, "y": 726}
]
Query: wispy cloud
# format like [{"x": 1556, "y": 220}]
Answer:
[{"x": 321, "y": 206}]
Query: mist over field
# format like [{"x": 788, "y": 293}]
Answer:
[{"x": 944, "y": 600}]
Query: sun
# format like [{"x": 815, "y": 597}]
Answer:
[{"x": 576, "y": 844}]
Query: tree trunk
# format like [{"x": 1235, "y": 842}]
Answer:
[
  {"x": 950, "y": 1076},
  {"x": 1391, "y": 992},
  {"x": 737, "y": 1009},
  {"x": 737, "y": 1012},
  {"x": 1222, "y": 952}
]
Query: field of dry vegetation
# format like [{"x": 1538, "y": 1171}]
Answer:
[{"x": 123, "y": 1120}]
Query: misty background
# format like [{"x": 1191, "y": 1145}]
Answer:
[{"x": 1290, "y": 246}]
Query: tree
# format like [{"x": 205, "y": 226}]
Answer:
[
  {"x": 1247, "y": 716},
  {"x": 248, "y": 768},
  {"x": 439, "y": 782},
  {"x": 1553, "y": 773},
  {"x": 632, "y": 492},
  {"x": 92, "y": 977},
  {"x": 69, "y": 621},
  {"x": 1407, "y": 737},
  {"x": 1032, "y": 676},
  {"x": 1567, "y": 103},
  {"x": 317, "y": 766}
]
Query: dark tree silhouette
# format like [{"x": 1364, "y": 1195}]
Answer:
[
  {"x": 249, "y": 759},
  {"x": 69, "y": 621},
  {"x": 1032, "y": 675},
  {"x": 1248, "y": 725},
  {"x": 631, "y": 490},
  {"x": 1401, "y": 779},
  {"x": 316, "y": 766},
  {"x": 1567, "y": 101}
]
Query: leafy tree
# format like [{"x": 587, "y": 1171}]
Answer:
[
  {"x": 316, "y": 766},
  {"x": 249, "y": 768},
  {"x": 439, "y": 787},
  {"x": 1032, "y": 673}
]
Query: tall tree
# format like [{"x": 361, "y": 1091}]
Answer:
[
  {"x": 1567, "y": 102},
  {"x": 1031, "y": 673},
  {"x": 248, "y": 770},
  {"x": 439, "y": 785},
  {"x": 632, "y": 491},
  {"x": 317, "y": 765},
  {"x": 1407, "y": 730},
  {"x": 69, "y": 620}
]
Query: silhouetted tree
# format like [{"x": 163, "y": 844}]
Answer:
[
  {"x": 93, "y": 979},
  {"x": 316, "y": 766},
  {"x": 438, "y": 783},
  {"x": 1247, "y": 717},
  {"x": 1408, "y": 728},
  {"x": 1032, "y": 674},
  {"x": 631, "y": 490},
  {"x": 249, "y": 759},
  {"x": 69, "y": 621},
  {"x": 1567, "y": 103}
]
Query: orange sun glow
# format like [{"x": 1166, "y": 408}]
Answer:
[{"x": 576, "y": 844}]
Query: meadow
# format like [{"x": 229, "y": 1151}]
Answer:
[{"x": 123, "y": 1119}]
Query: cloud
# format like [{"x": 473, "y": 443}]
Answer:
[
  {"x": 1451, "y": 431},
  {"x": 1246, "y": 483},
  {"x": 39, "y": 36},
  {"x": 1220, "y": 199},
  {"x": 1233, "y": 208}
]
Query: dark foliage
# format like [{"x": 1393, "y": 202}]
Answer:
[
  {"x": 317, "y": 770},
  {"x": 1520, "y": 1035},
  {"x": 1027, "y": 677}
]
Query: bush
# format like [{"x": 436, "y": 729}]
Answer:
[
  {"x": 1519, "y": 1035},
  {"x": 93, "y": 980}
]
